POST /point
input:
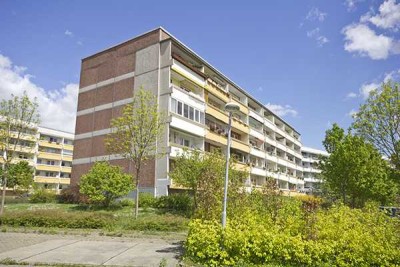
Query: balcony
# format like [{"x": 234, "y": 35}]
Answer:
[
  {"x": 242, "y": 106},
  {"x": 212, "y": 88},
  {"x": 255, "y": 115},
  {"x": 51, "y": 180},
  {"x": 68, "y": 147},
  {"x": 66, "y": 169},
  {"x": 257, "y": 134},
  {"x": 217, "y": 113},
  {"x": 215, "y": 137},
  {"x": 241, "y": 166},
  {"x": 186, "y": 125},
  {"x": 24, "y": 136},
  {"x": 44, "y": 167},
  {"x": 258, "y": 171},
  {"x": 46, "y": 155},
  {"x": 46, "y": 143},
  {"x": 237, "y": 144},
  {"x": 240, "y": 125},
  {"x": 67, "y": 157},
  {"x": 188, "y": 73}
]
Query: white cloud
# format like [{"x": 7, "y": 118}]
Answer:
[
  {"x": 317, "y": 36},
  {"x": 367, "y": 88},
  {"x": 388, "y": 16},
  {"x": 79, "y": 43},
  {"x": 282, "y": 110},
  {"x": 316, "y": 14},
  {"x": 57, "y": 107},
  {"x": 364, "y": 41},
  {"x": 351, "y": 4},
  {"x": 351, "y": 95},
  {"x": 68, "y": 33}
]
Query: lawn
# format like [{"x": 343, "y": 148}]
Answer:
[{"x": 113, "y": 221}]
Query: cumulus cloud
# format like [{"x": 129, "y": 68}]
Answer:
[
  {"x": 366, "y": 88},
  {"x": 352, "y": 113},
  {"x": 316, "y": 14},
  {"x": 388, "y": 16},
  {"x": 282, "y": 110},
  {"x": 364, "y": 41},
  {"x": 57, "y": 107},
  {"x": 317, "y": 36}
]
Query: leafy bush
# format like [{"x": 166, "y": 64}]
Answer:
[
  {"x": 169, "y": 223},
  {"x": 55, "y": 218},
  {"x": 147, "y": 200},
  {"x": 126, "y": 202},
  {"x": 16, "y": 199},
  {"x": 176, "y": 203},
  {"x": 43, "y": 196},
  {"x": 71, "y": 195},
  {"x": 341, "y": 237}
]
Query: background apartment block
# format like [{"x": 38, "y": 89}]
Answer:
[
  {"x": 194, "y": 94},
  {"x": 311, "y": 170},
  {"x": 49, "y": 152}
]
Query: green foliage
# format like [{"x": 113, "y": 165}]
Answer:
[
  {"x": 147, "y": 200},
  {"x": 176, "y": 203},
  {"x": 104, "y": 183},
  {"x": 137, "y": 132},
  {"x": 43, "y": 196},
  {"x": 203, "y": 174},
  {"x": 356, "y": 172},
  {"x": 56, "y": 218},
  {"x": 378, "y": 121},
  {"x": 71, "y": 195},
  {"x": 342, "y": 237},
  {"x": 333, "y": 137},
  {"x": 20, "y": 175},
  {"x": 153, "y": 222},
  {"x": 126, "y": 202}
]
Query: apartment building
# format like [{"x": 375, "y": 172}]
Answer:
[
  {"x": 193, "y": 93},
  {"x": 49, "y": 152},
  {"x": 311, "y": 171}
]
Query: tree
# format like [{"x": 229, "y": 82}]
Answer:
[
  {"x": 355, "y": 171},
  {"x": 20, "y": 175},
  {"x": 104, "y": 183},
  {"x": 136, "y": 133},
  {"x": 378, "y": 121},
  {"x": 203, "y": 174},
  {"x": 333, "y": 138},
  {"x": 18, "y": 119}
]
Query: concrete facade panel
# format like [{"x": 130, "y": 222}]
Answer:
[
  {"x": 123, "y": 89},
  {"x": 82, "y": 148},
  {"x": 102, "y": 119},
  {"x": 104, "y": 95},
  {"x": 86, "y": 100}
]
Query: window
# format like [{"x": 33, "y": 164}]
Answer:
[
  {"x": 197, "y": 115},
  {"x": 191, "y": 113},
  {"x": 67, "y": 152},
  {"x": 185, "y": 111},
  {"x": 173, "y": 105},
  {"x": 180, "y": 108}
]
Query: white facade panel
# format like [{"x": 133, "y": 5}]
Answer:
[
  {"x": 188, "y": 98},
  {"x": 187, "y": 126},
  {"x": 257, "y": 134},
  {"x": 256, "y": 116},
  {"x": 257, "y": 152},
  {"x": 258, "y": 171}
]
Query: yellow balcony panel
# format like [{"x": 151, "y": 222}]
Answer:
[
  {"x": 241, "y": 166},
  {"x": 68, "y": 147},
  {"x": 50, "y": 144},
  {"x": 67, "y": 158},
  {"x": 240, "y": 146},
  {"x": 241, "y": 126},
  {"x": 66, "y": 169},
  {"x": 51, "y": 168},
  {"x": 22, "y": 136},
  {"x": 217, "y": 113},
  {"x": 52, "y": 180},
  {"x": 243, "y": 108},
  {"x": 24, "y": 149},
  {"x": 45, "y": 155},
  {"x": 221, "y": 139},
  {"x": 218, "y": 92}
]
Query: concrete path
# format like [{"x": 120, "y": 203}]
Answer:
[{"x": 95, "y": 250}]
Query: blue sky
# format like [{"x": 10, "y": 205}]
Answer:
[{"x": 313, "y": 62}]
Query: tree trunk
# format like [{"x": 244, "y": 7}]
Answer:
[
  {"x": 137, "y": 194},
  {"x": 3, "y": 195}
]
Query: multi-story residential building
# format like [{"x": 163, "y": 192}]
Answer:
[
  {"x": 194, "y": 93},
  {"x": 311, "y": 171},
  {"x": 49, "y": 152},
  {"x": 53, "y": 160}
]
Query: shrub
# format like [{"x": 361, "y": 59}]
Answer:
[
  {"x": 43, "y": 196},
  {"x": 147, "y": 200},
  {"x": 16, "y": 199},
  {"x": 55, "y": 218},
  {"x": 126, "y": 202},
  {"x": 176, "y": 203},
  {"x": 342, "y": 237},
  {"x": 169, "y": 223},
  {"x": 71, "y": 195}
]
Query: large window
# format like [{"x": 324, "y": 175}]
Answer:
[{"x": 187, "y": 111}]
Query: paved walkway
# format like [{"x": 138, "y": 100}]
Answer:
[{"x": 96, "y": 250}]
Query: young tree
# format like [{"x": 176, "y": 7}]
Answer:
[
  {"x": 136, "y": 133},
  {"x": 104, "y": 183},
  {"x": 356, "y": 172},
  {"x": 378, "y": 121},
  {"x": 18, "y": 116}
]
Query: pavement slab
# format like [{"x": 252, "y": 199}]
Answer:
[{"x": 60, "y": 249}]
